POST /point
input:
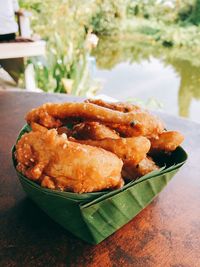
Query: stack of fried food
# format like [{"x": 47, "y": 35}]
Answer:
[{"x": 105, "y": 145}]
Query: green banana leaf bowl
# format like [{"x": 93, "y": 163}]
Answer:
[{"x": 95, "y": 216}]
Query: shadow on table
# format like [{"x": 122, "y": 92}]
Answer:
[{"x": 29, "y": 236}]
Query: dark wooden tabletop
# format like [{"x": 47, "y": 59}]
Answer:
[{"x": 166, "y": 233}]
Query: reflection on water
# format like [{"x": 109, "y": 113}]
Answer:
[
  {"x": 189, "y": 88},
  {"x": 136, "y": 71}
]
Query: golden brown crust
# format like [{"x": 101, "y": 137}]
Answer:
[
  {"x": 93, "y": 130},
  {"x": 55, "y": 162},
  {"x": 119, "y": 106},
  {"x": 51, "y": 115},
  {"x": 132, "y": 149},
  {"x": 167, "y": 141},
  {"x": 88, "y": 156},
  {"x": 133, "y": 171}
]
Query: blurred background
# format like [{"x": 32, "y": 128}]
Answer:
[{"x": 142, "y": 51}]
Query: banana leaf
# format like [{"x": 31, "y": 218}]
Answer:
[{"x": 94, "y": 216}]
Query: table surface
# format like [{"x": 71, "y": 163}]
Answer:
[{"x": 166, "y": 233}]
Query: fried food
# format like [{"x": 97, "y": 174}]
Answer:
[
  {"x": 132, "y": 149},
  {"x": 57, "y": 163},
  {"x": 89, "y": 130},
  {"x": 119, "y": 106},
  {"x": 133, "y": 171},
  {"x": 53, "y": 115},
  {"x": 65, "y": 130},
  {"x": 123, "y": 130},
  {"x": 127, "y": 131},
  {"x": 167, "y": 141},
  {"x": 93, "y": 130},
  {"x": 38, "y": 128},
  {"x": 104, "y": 142}
]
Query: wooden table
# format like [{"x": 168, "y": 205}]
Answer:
[{"x": 166, "y": 233}]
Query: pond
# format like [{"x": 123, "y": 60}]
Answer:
[{"x": 166, "y": 79}]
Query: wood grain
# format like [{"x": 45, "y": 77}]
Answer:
[{"x": 166, "y": 233}]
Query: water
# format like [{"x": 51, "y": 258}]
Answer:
[{"x": 157, "y": 81}]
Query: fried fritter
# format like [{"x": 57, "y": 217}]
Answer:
[
  {"x": 119, "y": 106},
  {"x": 127, "y": 131},
  {"x": 57, "y": 163},
  {"x": 167, "y": 141},
  {"x": 65, "y": 130},
  {"x": 123, "y": 130},
  {"x": 93, "y": 130},
  {"x": 52, "y": 115},
  {"x": 132, "y": 149},
  {"x": 133, "y": 171}
]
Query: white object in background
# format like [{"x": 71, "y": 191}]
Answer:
[
  {"x": 105, "y": 98},
  {"x": 93, "y": 39},
  {"x": 30, "y": 84},
  {"x": 25, "y": 27},
  {"x": 7, "y": 16},
  {"x": 30, "y": 78}
]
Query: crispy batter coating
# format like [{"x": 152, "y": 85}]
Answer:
[
  {"x": 132, "y": 149},
  {"x": 119, "y": 106},
  {"x": 57, "y": 163},
  {"x": 133, "y": 171},
  {"x": 89, "y": 156},
  {"x": 38, "y": 128},
  {"x": 167, "y": 141},
  {"x": 52, "y": 115},
  {"x": 128, "y": 131},
  {"x": 123, "y": 130},
  {"x": 65, "y": 130},
  {"x": 93, "y": 130}
]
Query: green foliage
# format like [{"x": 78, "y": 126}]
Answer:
[
  {"x": 108, "y": 16},
  {"x": 64, "y": 68},
  {"x": 195, "y": 13},
  {"x": 176, "y": 24},
  {"x": 185, "y": 10},
  {"x": 63, "y": 25},
  {"x": 151, "y": 10},
  {"x": 66, "y": 24}
]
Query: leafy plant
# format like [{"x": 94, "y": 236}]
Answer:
[
  {"x": 64, "y": 25},
  {"x": 108, "y": 16}
]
